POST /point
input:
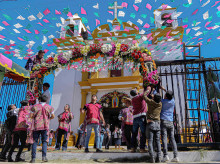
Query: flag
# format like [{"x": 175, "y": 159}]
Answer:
[
  {"x": 96, "y": 6},
  {"x": 148, "y": 6},
  {"x": 20, "y": 17},
  {"x": 83, "y": 11},
  {"x": 27, "y": 31},
  {"x": 21, "y": 39},
  {"x": 97, "y": 22},
  {"x": 57, "y": 12},
  {"x": 16, "y": 31},
  {"x": 206, "y": 15},
  {"x": 70, "y": 14},
  {"x": 2, "y": 37},
  {"x": 47, "y": 11},
  {"x": 40, "y": 23},
  {"x": 40, "y": 16},
  {"x": 7, "y": 17},
  {"x": 1, "y": 28},
  {"x": 5, "y": 23},
  {"x": 18, "y": 25},
  {"x": 124, "y": 4},
  {"x": 46, "y": 21},
  {"x": 36, "y": 31},
  {"x": 135, "y": 7},
  {"x": 146, "y": 25},
  {"x": 121, "y": 14},
  {"x": 31, "y": 18},
  {"x": 44, "y": 39}
]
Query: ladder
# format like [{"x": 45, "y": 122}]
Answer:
[{"x": 192, "y": 90}]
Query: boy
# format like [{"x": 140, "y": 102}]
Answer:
[
  {"x": 167, "y": 126},
  {"x": 153, "y": 122},
  {"x": 42, "y": 114},
  {"x": 20, "y": 131},
  {"x": 9, "y": 127}
]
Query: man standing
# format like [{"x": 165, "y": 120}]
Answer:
[
  {"x": 139, "y": 115},
  {"x": 36, "y": 60},
  {"x": 42, "y": 114},
  {"x": 46, "y": 92},
  {"x": 93, "y": 116}
]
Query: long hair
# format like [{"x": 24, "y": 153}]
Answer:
[{"x": 68, "y": 107}]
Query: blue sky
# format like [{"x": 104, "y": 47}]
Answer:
[{"x": 33, "y": 7}]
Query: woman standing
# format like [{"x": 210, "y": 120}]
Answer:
[
  {"x": 117, "y": 137},
  {"x": 64, "y": 127}
]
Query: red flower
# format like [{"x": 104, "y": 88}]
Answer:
[
  {"x": 139, "y": 52},
  {"x": 136, "y": 56},
  {"x": 133, "y": 54}
]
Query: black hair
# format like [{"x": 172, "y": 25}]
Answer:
[
  {"x": 46, "y": 85},
  {"x": 41, "y": 51},
  {"x": 169, "y": 95},
  {"x": 10, "y": 107},
  {"x": 95, "y": 96},
  {"x": 133, "y": 92},
  {"x": 43, "y": 98},
  {"x": 24, "y": 103},
  {"x": 157, "y": 98}
]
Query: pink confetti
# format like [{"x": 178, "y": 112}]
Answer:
[
  {"x": 57, "y": 12},
  {"x": 47, "y": 11},
  {"x": 209, "y": 40},
  {"x": 27, "y": 31},
  {"x": 57, "y": 40},
  {"x": 63, "y": 38},
  {"x": 2, "y": 37},
  {"x": 170, "y": 21},
  {"x": 185, "y": 26},
  {"x": 46, "y": 21},
  {"x": 20, "y": 39},
  {"x": 36, "y": 31},
  {"x": 207, "y": 23},
  {"x": 216, "y": 2},
  {"x": 188, "y": 30},
  {"x": 209, "y": 28},
  {"x": 194, "y": 37},
  {"x": 40, "y": 23},
  {"x": 218, "y": 37},
  {"x": 109, "y": 33},
  {"x": 168, "y": 15},
  {"x": 149, "y": 35},
  {"x": 124, "y": 4},
  {"x": 83, "y": 11},
  {"x": 126, "y": 30},
  {"x": 146, "y": 25},
  {"x": 117, "y": 27},
  {"x": 135, "y": 7},
  {"x": 148, "y": 6},
  {"x": 7, "y": 47},
  {"x": 5, "y": 23},
  {"x": 195, "y": 11},
  {"x": 218, "y": 8},
  {"x": 151, "y": 38},
  {"x": 46, "y": 50},
  {"x": 164, "y": 7},
  {"x": 200, "y": 39},
  {"x": 136, "y": 27},
  {"x": 70, "y": 14},
  {"x": 97, "y": 22},
  {"x": 111, "y": 12},
  {"x": 26, "y": 58},
  {"x": 168, "y": 33},
  {"x": 134, "y": 41}
]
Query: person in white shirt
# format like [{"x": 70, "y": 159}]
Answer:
[{"x": 46, "y": 87}]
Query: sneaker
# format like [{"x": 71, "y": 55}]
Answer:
[
  {"x": 86, "y": 150},
  {"x": 2, "y": 157},
  {"x": 158, "y": 160},
  {"x": 10, "y": 159},
  {"x": 44, "y": 159},
  {"x": 133, "y": 150},
  {"x": 18, "y": 159},
  {"x": 176, "y": 159},
  {"x": 166, "y": 158},
  {"x": 98, "y": 151},
  {"x": 152, "y": 160},
  {"x": 32, "y": 160}
]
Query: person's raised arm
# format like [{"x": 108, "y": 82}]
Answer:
[
  {"x": 102, "y": 118},
  {"x": 146, "y": 93}
]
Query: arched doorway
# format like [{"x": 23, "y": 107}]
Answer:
[{"x": 112, "y": 103}]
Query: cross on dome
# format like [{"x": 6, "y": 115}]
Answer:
[{"x": 115, "y": 8}]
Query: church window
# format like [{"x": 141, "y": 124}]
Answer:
[
  {"x": 70, "y": 31},
  {"x": 165, "y": 19}
]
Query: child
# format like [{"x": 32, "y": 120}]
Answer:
[
  {"x": 9, "y": 127},
  {"x": 117, "y": 137},
  {"x": 167, "y": 126},
  {"x": 20, "y": 131},
  {"x": 153, "y": 123},
  {"x": 51, "y": 135}
]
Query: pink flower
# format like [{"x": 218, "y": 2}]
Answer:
[
  {"x": 156, "y": 82},
  {"x": 150, "y": 74}
]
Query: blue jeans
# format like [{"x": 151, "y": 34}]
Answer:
[
  {"x": 50, "y": 141},
  {"x": 89, "y": 130},
  {"x": 36, "y": 135},
  {"x": 101, "y": 140},
  {"x": 139, "y": 122}
]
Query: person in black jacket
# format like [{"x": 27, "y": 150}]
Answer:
[{"x": 9, "y": 127}]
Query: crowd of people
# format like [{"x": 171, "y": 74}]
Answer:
[{"x": 147, "y": 117}]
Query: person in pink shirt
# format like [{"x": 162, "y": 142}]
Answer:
[
  {"x": 42, "y": 114},
  {"x": 64, "y": 127},
  {"x": 139, "y": 121},
  {"x": 20, "y": 132}
]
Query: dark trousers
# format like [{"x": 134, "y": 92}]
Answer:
[
  {"x": 7, "y": 144},
  {"x": 107, "y": 142},
  {"x": 139, "y": 122},
  {"x": 128, "y": 132},
  {"x": 18, "y": 135},
  {"x": 59, "y": 136},
  {"x": 154, "y": 133},
  {"x": 36, "y": 136}
]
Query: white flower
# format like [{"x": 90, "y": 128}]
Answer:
[{"x": 106, "y": 48}]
